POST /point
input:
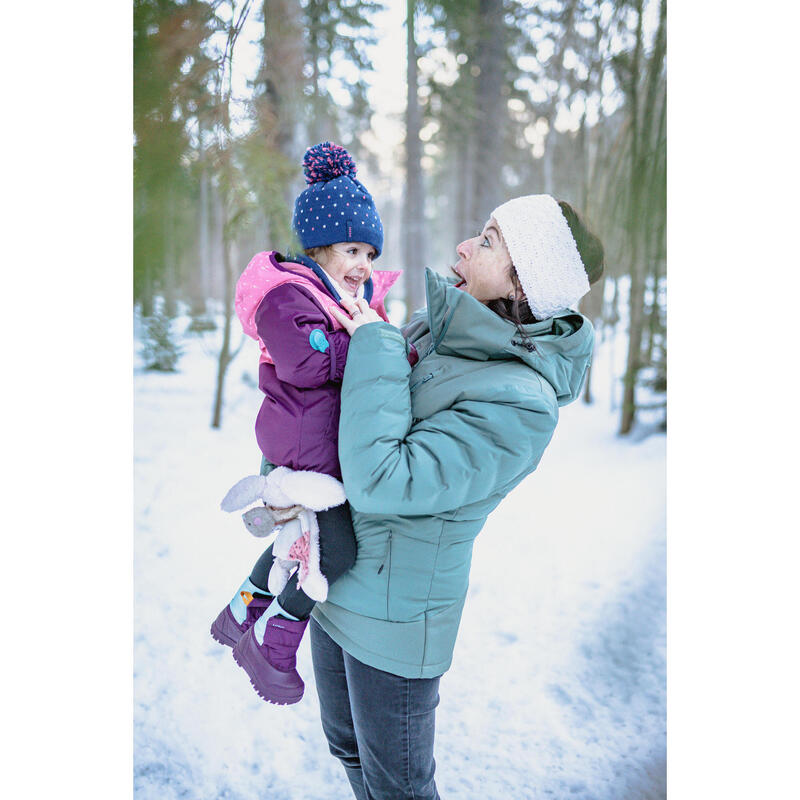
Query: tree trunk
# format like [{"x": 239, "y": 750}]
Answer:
[
  {"x": 556, "y": 73},
  {"x": 643, "y": 208},
  {"x": 148, "y": 291},
  {"x": 314, "y": 123},
  {"x": 492, "y": 117},
  {"x": 169, "y": 268},
  {"x": 462, "y": 177},
  {"x": 547, "y": 158},
  {"x": 204, "y": 242},
  {"x": 472, "y": 218},
  {"x": 414, "y": 211},
  {"x": 591, "y": 306},
  {"x": 228, "y": 210},
  {"x": 636, "y": 298},
  {"x": 282, "y": 74},
  {"x": 225, "y": 350}
]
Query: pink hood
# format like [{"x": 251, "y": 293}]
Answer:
[{"x": 264, "y": 273}]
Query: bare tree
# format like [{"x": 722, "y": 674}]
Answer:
[
  {"x": 645, "y": 184},
  {"x": 232, "y": 210},
  {"x": 414, "y": 200}
]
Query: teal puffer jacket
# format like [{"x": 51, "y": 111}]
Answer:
[{"x": 427, "y": 453}]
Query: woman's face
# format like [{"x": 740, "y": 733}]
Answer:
[
  {"x": 484, "y": 265},
  {"x": 350, "y": 264}
]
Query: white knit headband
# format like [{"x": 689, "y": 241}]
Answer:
[{"x": 543, "y": 252}]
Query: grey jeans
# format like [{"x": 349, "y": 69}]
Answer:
[{"x": 379, "y": 725}]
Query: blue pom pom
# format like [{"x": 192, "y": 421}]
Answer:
[{"x": 326, "y": 161}]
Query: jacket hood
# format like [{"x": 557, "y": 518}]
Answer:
[
  {"x": 375, "y": 287},
  {"x": 558, "y": 348}
]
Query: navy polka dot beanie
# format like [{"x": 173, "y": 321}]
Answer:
[{"x": 335, "y": 207}]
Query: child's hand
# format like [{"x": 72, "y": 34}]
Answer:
[{"x": 360, "y": 314}]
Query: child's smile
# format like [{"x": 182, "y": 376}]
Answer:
[{"x": 350, "y": 265}]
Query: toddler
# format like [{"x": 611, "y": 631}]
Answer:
[{"x": 285, "y": 304}]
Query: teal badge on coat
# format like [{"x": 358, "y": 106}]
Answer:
[{"x": 318, "y": 341}]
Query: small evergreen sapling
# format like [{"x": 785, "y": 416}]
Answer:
[
  {"x": 161, "y": 351},
  {"x": 202, "y": 323}
]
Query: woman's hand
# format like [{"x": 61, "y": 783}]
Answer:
[{"x": 360, "y": 314}]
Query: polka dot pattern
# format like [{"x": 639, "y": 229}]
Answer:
[{"x": 338, "y": 208}]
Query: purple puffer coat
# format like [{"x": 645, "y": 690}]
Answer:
[{"x": 298, "y": 423}]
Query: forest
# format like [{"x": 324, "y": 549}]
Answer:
[{"x": 501, "y": 98}]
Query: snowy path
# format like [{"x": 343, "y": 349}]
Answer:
[{"x": 557, "y": 689}]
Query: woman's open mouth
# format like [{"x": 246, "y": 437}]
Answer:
[{"x": 461, "y": 279}]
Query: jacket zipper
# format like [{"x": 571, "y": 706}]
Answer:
[
  {"x": 387, "y": 554},
  {"x": 418, "y": 383}
]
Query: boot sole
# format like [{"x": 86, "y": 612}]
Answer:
[
  {"x": 220, "y": 629},
  {"x": 244, "y": 654}
]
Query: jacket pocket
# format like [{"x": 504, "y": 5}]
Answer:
[{"x": 387, "y": 565}]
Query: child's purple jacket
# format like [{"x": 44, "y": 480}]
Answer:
[{"x": 298, "y": 423}]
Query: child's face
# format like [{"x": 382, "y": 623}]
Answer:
[{"x": 350, "y": 264}]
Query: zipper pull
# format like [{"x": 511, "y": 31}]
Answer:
[
  {"x": 388, "y": 548},
  {"x": 420, "y": 382},
  {"x": 529, "y": 346}
]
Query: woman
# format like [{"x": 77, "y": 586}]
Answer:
[{"x": 426, "y": 453}]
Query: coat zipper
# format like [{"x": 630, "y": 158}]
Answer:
[
  {"x": 431, "y": 348},
  {"x": 387, "y": 554},
  {"x": 420, "y": 382}
]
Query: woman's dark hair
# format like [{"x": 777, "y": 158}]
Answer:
[
  {"x": 516, "y": 310},
  {"x": 590, "y": 249}
]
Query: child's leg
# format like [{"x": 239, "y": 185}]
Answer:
[
  {"x": 260, "y": 573},
  {"x": 337, "y": 553},
  {"x": 268, "y": 651}
]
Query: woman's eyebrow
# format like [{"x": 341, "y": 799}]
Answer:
[{"x": 492, "y": 229}]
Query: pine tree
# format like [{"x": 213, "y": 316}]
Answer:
[
  {"x": 644, "y": 193},
  {"x": 337, "y": 32},
  {"x": 161, "y": 350},
  {"x": 169, "y": 73}
]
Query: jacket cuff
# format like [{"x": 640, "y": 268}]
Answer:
[{"x": 340, "y": 344}]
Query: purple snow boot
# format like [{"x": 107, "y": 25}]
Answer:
[
  {"x": 271, "y": 665},
  {"x": 226, "y": 629}
]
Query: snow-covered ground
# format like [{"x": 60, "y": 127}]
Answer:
[{"x": 562, "y": 696}]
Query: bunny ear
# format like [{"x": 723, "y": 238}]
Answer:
[
  {"x": 243, "y": 493},
  {"x": 314, "y": 490}
]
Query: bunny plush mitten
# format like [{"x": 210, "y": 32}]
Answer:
[
  {"x": 285, "y": 501},
  {"x": 283, "y": 488},
  {"x": 297, "y": 547}
]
